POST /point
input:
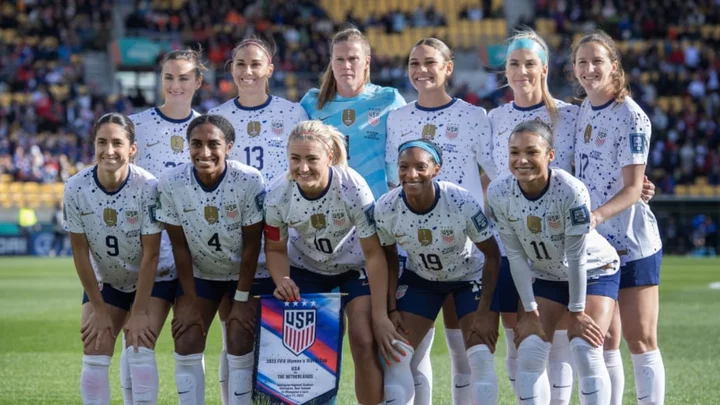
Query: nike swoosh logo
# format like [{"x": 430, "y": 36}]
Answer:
[
  {"x": 590, "y": 393},
  {"x": 406, "y": 133},
  {"x": 188, "y": 210},
  {"x": 389, "y": 400},
  {"x": 418, "y": 384},
  {"x": 477, "y": 298},
  {"x": 462, "y": 386},
  {"x": 83, "y": 214},
  {"x": 323, "y": 119},
  {"x": 513, "y": 219},
  {"x": 184, "y": 392},
  {"x": 511, "y": 379},
  {"x": 399, "y": 235},
  {"x": 525, "y": 399},
  {"x": 150, "y": 145},
  {"x": 561, "y": 386},
  {"x": 239, "y": 394},
  {"x": 296, "y": 223},
  {"x": 641, "y": 398},
  {"x": 365, "y": 283}
]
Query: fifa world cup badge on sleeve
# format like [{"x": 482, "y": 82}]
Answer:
[{"x": 298, "y": 350}]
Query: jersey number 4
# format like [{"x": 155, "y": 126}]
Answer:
[{"x": 215, "y": 242}]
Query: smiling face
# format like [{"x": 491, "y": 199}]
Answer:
[
  {"x": 428, "y": 69},
  {"x": 594, "y": 69},
  {"x": 309, "y": 164},
  {"x": 350, "y": 63},
  {"x": 251, "y": 68},
  {"x": 530, "y": 156},
  {"x": 208, "y": 149},
  {"x": 180, "y": 80},
  {"x": 525, "y": 72},
  {"x": 113, "y": 149},
  {"x": 417, "y": 169}
]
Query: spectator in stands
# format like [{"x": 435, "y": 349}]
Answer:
[{"x": 58, "y": 245}]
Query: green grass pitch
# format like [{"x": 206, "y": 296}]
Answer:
[{"x": 40, "y": 349}]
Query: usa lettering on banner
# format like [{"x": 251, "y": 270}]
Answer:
[{"x": 298, "y": 350}]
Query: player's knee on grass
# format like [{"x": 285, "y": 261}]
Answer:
[
  {"x": 399, "y": 383},
  {"x": 190, "y": 342}
]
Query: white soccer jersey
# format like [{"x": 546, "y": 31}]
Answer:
[
  {"x": 542, "y": 223},
  {"x": 162, "y": 145},
  {"x": 440, "y": 243},
  {"x": 609, "y": 138},
  {"x": 506, "y": 117},
  {"x": 212, "y": 219},
  {"x": 261, "y": 133},
  {"x": 461, "y": 129},
  {"x": 324, "y": 232},
  {"x": 113, "y": 222}
]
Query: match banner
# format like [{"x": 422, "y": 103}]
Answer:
[{"x": 298, "y": 350}]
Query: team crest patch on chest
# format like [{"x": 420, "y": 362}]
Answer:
[
  {"x": 534, "y": 224},
  {"x": 553, "y": 221},
  {"x": 132, "y": 217},
  {"x": 425, "y": 236},
  {"x": 338, "y": 218},
  {"x": 588, "y": 133},
  {"x": 448, "y": 235},
  {"x": 177, "y": 143},
  {"x": 374, "y": 116},
  {"x": 254, "y": 128},
  {"x": 601, "y": 138},
  {"x": 278, "y": 127},
  {"x": 428, "y": 131},
  {"x": 231, "y": 210},
  {"x": 110, "y": 216},
  {"x": 211, "y": 214},
  {"x": 348, "y": 117},
  {"x": 318, "y": 221},
  {"x": 452, "y": 131}
]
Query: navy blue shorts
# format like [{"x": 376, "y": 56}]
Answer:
[
  {"x": 165, "y": 290},
  {"x": 559, "y": 291},
  {"x": 213, "y": 290},
  {"x": 262, "y": 286},
  {"x": 425, "y": 298},
  {"x": 641, "y": 272},
  {"x": 113, "y": 296},
  {"x": 353, "y": 283},
  {"x": 505, "y": 297}
]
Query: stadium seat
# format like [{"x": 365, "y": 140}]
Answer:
[
  {"x": 6, "y": 178},
  {"x": 681, "y": 190},
  {"x": 701, "y": 180}
]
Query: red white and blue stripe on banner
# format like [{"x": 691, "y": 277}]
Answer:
[{"x": 298, "y": 350}]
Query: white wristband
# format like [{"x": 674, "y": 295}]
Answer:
[{"x": 242, "y": 296}]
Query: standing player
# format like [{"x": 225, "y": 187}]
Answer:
[
  {"x": 262, "y": 123},
  {"x": 463, "y": 132},
  {"x": 212, "y": 209},
  {"x": 526, "y": 70},
  {"x": 451, "y": 253},
  {"x": 611, "y": 150},
  {"x": 543, "y": 216},
  {"x": 160, "y": 133},
  {"x": 110, "y": 215},
  {"x": 320, "y": 235}
]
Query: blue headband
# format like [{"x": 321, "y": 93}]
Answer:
[
  {"x": 422, "y": 145},
  {"x": 527, "y": 43}
]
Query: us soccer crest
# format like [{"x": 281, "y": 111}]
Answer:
[
  {"x": 211, "y": 214},
  {"x": 534, "y": 224},
  {"x": 318, "y": 221},
  {"x": 253, "y": 128},
  {"x": 448, "y": 235},
  {"x": 374, "y": 116},
  {"x": 110, "y": 217},
  {"x": 400, "y": 292},
  {"x": 132, "y": 217},
  {"x": 554, "y": 222},
  {"x": 177, "y": 143},
  {"x": 428, "y": 131},
  {"x": 348, "y": 116},
  {"x": 278, "y": 127},
  {"x": 299, "y": 329},
  {"x": 425, "y": 237},
  {"x": 452, "y": 131},
  {"x": 600, "y": 140},
  {"x": 588, "y": 133},
  {"x": 231, "y": 210},
  {"x": 339, "y": 218}
]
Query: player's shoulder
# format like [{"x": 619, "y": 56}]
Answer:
[
  {"x": 277, "y": 188},
  {"x": 141, "y": 174},
  {"x": 386, "y": 203},
  {"x": 346, "y": 176},
  {"x": 567, "y": 109},
  {"x": 240, "y": 171},
  {"x": 81, "y": 178},
  {"x": 567, "y": 183},
  {"x": 310, "y": 98},
  {"x": 500, "y": 187},
  {"x": 632, "y": 109},
  {"x": 144, "y": 115},
  {"x": 375, "y": 91},
  {"x": 454, "y": 192},
  {"x": 464, "y": 106},
  {"x": 176, "y": 175},
  {"x": 223, "y": 108},
  {"x": 402, "y": 110}
]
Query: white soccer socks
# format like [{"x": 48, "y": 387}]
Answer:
[
  {"x": 560, "y": 371},
  {"x": 649, "y": 378},
  {"x": 95, "y": 380},
  {"x": 125, "y": 381},
  {"x": 614, "y": 365},
  {"x": 399, "y": 385},
  {"x": 422, "y": 370},
  {"x": 593, "y": 378},
  {"x": 223, "y": 368},
  {"x": 144, "y": 375},
  {"x": 484, "y": 379},
  {"x": 461, "y": 373},
  {"x": 190, "y": 379},
  {"x": 532, "y": 385},
  {"x": 511, "y": 358},
  {"x": 240, "y": 383}
]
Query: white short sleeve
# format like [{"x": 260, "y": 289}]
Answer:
[
  {"x": 71, "y": 215},
  {"x": 634, "y": 143},
  {"x": 150, "y": 223},
  {"x": 165, "y": 207},
  {"x": 253, "y": 210}
]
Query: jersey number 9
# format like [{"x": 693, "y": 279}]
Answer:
[{"x": 112, "y": 243}]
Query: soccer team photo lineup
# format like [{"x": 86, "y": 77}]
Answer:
[{"x": 438, "y": 202}]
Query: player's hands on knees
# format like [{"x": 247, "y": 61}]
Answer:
[
  {"x": 648, "y": 190},
  {"x": 485, "y": 329},
  {"x": 243, "y": 312},
  {"x": 97, "y": 328},
  {"x": 528, "y": 324},
  {"x": 387, "y": 337},
  {"x": 397, "y": 320},
  {"x": 138, "y": 332},
  {"x": 184, "y": 318},
  {"x": 583, "y": 326},
  {"x": 287, "y": 290}
]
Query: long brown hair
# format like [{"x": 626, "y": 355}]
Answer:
[
  {"x": 266, "y": 47},
  {"x": 620, "y": 84},
  {"x": 328, "y": 86}
]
